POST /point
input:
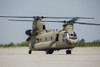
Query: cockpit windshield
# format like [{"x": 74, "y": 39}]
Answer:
[{"x": 67, "y": 35}]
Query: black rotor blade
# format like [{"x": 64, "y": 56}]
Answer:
[
  {"x": 45, "y": 17},
  {"x": 16, "y": 17},
  {"x": 58, "y": 22},
  {"x": 19, "y": 20},
  {"x": 69, "y": 17},
  {"x": 87, "y": 23},
  {"x": 55, "y": 21},
  {"x": 74, "y": 19},
  {"x": 33, "y": 20}
]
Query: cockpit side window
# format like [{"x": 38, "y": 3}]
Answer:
[
  {"x": 75, "y": 34},
  {"x": 44, "y": 28},
  {"x": 65, "y": 35}
]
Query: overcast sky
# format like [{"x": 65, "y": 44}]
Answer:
[{"x": 15, "y": 31}]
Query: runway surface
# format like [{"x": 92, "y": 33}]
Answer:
[{"x": 19, "y": 57}]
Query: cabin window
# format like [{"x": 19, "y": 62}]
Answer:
[
  {"x": 40, "y": 39},
  {"x": 51, "y": 38},
  {"x": 46, "y": 39},
  {"x": 37, "y": 40}
]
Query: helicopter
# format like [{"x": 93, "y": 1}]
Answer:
[{"x": 41, "y": 39}]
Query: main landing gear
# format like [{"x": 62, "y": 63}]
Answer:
[
  {"x": 68, "y": 51},
  {"x": 29, "y": 52},
  {"x": 49, "y": 51}
]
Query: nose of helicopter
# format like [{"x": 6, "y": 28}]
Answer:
[{"x": 72, "y": 41}]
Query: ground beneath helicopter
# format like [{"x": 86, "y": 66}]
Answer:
[{"x": 19, "y": 57}]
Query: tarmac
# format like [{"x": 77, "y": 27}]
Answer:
[{"x": 19, "y": 57}]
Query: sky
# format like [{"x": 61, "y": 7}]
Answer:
[{"x": 12, "y": 31}]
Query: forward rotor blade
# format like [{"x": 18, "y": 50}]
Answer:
[
  {"x": 58, "y": 22},
  {"x": 55, "y": 21},
  {"x": 87, "y": 23}
]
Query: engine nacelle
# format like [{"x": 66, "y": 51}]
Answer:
[{"x": 28, "y": 32}]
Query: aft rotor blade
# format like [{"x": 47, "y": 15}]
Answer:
[
  {"x": 74, "y": 19},
  {"x": 69, "y": 17},
  {"x": 87, "y": 23},
  {"x": 20, "y": 20},
  {"x": 45, "y": 17}
]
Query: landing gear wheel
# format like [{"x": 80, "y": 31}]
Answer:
[
  {"x": 49, "y": 51},
  {"x": 68, "y": 51},
  {"x": 29, "y": 52}
]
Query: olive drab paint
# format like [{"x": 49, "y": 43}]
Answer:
[{"x": 41, "y": 39}]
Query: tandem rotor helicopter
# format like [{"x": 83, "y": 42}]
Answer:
[{"x": 41, "y": 39}]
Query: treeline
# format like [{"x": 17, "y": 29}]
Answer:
[
  {"x": 81, "y": 43},
  {"x": 23, "y": 44}
]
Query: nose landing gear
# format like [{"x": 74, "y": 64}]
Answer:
[{"x": 68, "y": 51}]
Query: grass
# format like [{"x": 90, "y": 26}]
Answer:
[
  {"x": 94, "y": 47},
  {"x": 14, "y": 47}
]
